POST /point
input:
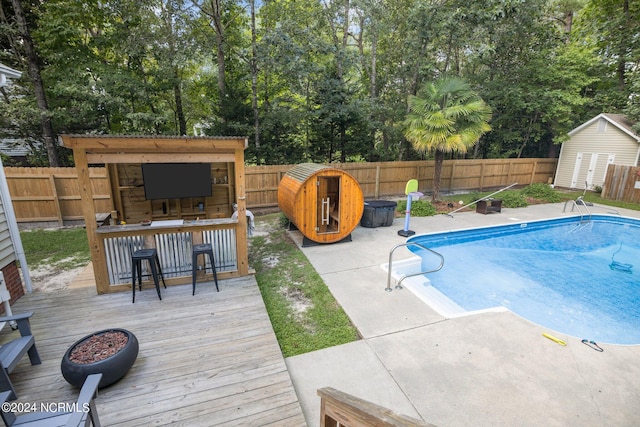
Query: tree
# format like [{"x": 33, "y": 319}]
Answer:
[
  {"x": 171, "y": 51},
  {"x": 309, "y": 80},
  {"x": 447, "y": 116},
  {"x": 612, "y": 27},
  {"x": 33, "y": 61},
  {"x": 633, "y": 104},
  {"x": 615, "y": 25}
]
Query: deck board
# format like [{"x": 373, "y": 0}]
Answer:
[{"x": 204, "y": 360}]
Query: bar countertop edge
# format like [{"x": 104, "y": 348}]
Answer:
[{"x": 201, "y": 223}]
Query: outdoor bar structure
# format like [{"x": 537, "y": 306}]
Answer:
[{"x": 169, "y": 193}]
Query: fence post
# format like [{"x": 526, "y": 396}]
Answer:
[
  {"x": 377, "y": 186},
  {"x": 533, "y": 172},
  {"x": 453, "y": 174},
  {"x": 56, "y": 199}
]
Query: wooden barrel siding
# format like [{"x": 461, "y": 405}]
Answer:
[{"x": 324, "y": 203}]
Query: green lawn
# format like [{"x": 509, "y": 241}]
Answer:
[
  {"x": 304, "y": 314},
  {"x": 65, "y": 248}
]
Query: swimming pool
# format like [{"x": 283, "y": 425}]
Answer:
[{"x": 580, "y": 278}]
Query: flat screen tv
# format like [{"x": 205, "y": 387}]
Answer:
[{"x": 176, "y": 180}]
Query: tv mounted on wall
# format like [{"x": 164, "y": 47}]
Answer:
[{"x": 176, "y": 180}]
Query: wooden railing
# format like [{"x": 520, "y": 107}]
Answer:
[
  {"x": 341, "y": 409},
  {"x": 53, "y": 194}
]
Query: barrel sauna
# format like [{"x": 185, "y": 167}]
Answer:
[{"x": 324, "y": 203}]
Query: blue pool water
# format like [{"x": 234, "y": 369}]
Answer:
[{"x": 580, "y": 279}]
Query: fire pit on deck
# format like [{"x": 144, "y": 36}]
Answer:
[{"x": 110, "y": 352}]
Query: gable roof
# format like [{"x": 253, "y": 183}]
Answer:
[
  {"x": 14, "y": 147},
  {"x": 620, "y": 121}
]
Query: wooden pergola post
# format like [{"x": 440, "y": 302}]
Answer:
[{"x": 89, "y": 213}]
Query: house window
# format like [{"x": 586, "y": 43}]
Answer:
[{"x": 602, "y": 125}]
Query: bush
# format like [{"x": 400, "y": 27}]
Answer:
[
  {"x": 283, "y": 221},
  {"x": 473, "y": 196},
  {"x": 541, "y": 191},
  {"x": 514, "y": 199},
  {"x": 418, "y": 208}
]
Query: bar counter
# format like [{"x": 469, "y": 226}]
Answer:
[
  {"x": 162, "y": 226},
  {"x": 173, "y": 239}
]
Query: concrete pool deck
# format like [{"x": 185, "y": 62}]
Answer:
[{"x": 490, "y": 369}]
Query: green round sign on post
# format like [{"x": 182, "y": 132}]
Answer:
[{"x": 411, "y": 187}]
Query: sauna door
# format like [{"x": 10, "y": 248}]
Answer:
[{"x": 328, "y": 204}]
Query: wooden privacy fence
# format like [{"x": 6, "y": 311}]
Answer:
[
  {"x": 52, "y": 194},
  {"x": 622, "y": 183},
  {"x": 386, "y": 179}
]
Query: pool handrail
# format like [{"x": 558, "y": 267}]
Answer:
[
  {"x": 576, "y": 205},
  {"x": 398, "y": 285}
]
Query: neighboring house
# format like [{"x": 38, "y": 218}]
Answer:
[
  {"x": 16, "y": 149},
  {"x": 9, "y": 147},
  {"x": 592, "y": 147},
  {"x": 7, "y": 73}
]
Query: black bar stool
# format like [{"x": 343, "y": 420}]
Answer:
[
  {"x": 151, "y": 256},
  {"x": 204, "y": 249}
]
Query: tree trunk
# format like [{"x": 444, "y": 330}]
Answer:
[
  {"x": 437, "y": 175},
  {"x": 413, "y": 90},
  {"x": 254, "y": 77},
  {"x": 48, "y": 135},
  {"x": 343, "y": 144},
  {"x": 177, "y": 92},
  {"x": 374, "y": 91},
  {"x": 218, "y": 27},
  {"x": 568, "y": 23},
  {"x": 622, "y": 50},
  {"x": 169, "y": 14}
]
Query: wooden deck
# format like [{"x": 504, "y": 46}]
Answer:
[{"x": 205, "y": 360}]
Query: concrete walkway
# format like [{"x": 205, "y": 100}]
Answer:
[{"x": 491, "y": 369}]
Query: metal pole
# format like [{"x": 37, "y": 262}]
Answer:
[
  {"x": 407, "y": 215},
  {"x": 483, "y": 198}
]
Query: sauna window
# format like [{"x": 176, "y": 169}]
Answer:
[{"x": 328, "y": 204}]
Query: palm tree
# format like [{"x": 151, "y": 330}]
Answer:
[{"x": 446, "y": 117}]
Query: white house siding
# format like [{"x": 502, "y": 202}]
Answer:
[
  {"x": 608, "y": 142},
  {"x": 7, "y": 251},
  {"x": 8, "y": 257}
]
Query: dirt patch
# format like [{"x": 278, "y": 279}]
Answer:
[
  {"x": 297, "y": 299},
  {"x": 446, "y": 207},
  {"x": 271, "y": 261},
  {"x": 51, "y": 278},
  {"x": 294, "y": 296},
  {"x": 299, "y": 304},
  {"x": 532, "y": 201}
]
